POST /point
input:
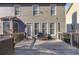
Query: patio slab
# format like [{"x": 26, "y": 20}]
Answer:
[{"x": 47, "y": 47}]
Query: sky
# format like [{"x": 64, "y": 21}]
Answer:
[{"x": 67, "y": 6}]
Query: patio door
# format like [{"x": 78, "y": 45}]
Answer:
[
  {"x": 29, "y": 29},
  {"x": 15, "y": 27},
  {"x": 44, "y": 27},
  {"x": 52, "y": 29}
]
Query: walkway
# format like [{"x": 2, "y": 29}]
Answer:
[{"x": 48, "y": 47}]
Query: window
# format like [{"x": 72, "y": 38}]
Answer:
[
  {"x": 51, "y": 28},
  {"x": 58, "y": 27},
  {"x": 53, "y": 9},
  {"x": 6, "y": 26},
  {"x": 44, "y": 27},
  {"x": 35, "y": 10},
  {"x": 17, "y": 9},
  {"x": 72, "y": 27},
  {"x": 36, "y": 28}
]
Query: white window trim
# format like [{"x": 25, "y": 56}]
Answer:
[
  {"x": 39, "y": 27},
  {"x": 19, "y": 10},
  {"x": 31, "y": 28},
  {"x": 55, "y": 28},
  {"x": 47, "y": 28},
  {"x": 55, "y": 9},
  {"x": 38, "y": 9}
]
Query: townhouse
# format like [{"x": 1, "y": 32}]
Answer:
[{"x": 32, "y": 18}]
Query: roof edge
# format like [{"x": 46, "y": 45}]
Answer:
[{"x": 69, "y": 8}]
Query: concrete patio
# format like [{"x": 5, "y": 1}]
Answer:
[{"x": 45, "y": 47}]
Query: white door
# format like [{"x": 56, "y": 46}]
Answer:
[{"x": 29, "y": 29}]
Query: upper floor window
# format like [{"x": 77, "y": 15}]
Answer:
[
  {"x": 17, "y": 9},
  {"x": 53, "y": 9},
  {"x": 35, "y": 10}
]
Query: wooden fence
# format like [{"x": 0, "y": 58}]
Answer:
[{"x": 73, "y": 38}]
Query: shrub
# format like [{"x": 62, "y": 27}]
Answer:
[{"x": 66, "y": 38}]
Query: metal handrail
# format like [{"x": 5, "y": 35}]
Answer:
[{"x": 32, "y": 44}]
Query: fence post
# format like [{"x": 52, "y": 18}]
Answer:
[
  {"x": 77, "y": 41},
  {"x": 71, "y": 39}
]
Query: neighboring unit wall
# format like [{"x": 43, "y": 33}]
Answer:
[{"x": 72, "y": 18}]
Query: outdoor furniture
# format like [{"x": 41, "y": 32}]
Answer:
[{"x": 44, "y": 36}]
